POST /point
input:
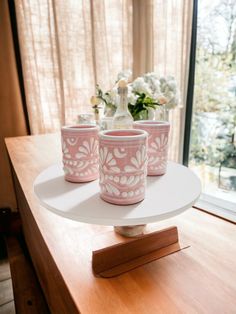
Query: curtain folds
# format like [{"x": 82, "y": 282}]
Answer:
[
  {"x": 171, "y": 49},
  {"x": 12, "y": 119},
  {"x": 69, "y": 46},
  {"x": 143, "y": 36}
]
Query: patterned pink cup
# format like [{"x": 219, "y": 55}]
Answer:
[
  {"x": 157, "y": 145},
  {"x": 123, "y": 165},
  {"x": 80, "y": 152}
]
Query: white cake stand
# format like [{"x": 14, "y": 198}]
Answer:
[{"x": 166, "y": 196}]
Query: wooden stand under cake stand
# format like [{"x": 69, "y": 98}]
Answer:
[{"x": 166, "y": 196}]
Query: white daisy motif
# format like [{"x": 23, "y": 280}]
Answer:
[
  {"x": 159, "y": 144},
  {"x": 162, "y": 162},
  {"x": 152, "y": 160},
  {"x": 138, "y": 162},
  {"x": 87, "y": 149},
  {"x": 65, "y": 150},
  {"x": 157, "y": 163},
  {"x": 107, "y": 161}
]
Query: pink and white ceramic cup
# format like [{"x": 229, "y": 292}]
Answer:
[
  {"x": 157, "y": 145},
  {"x": 123, "y": 166},
  {"x": 80, "y": 152}
]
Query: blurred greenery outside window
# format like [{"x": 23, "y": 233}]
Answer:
[{"x": 213, "y": 134}]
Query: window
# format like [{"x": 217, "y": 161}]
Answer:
[{"x": 212, "y": 152}]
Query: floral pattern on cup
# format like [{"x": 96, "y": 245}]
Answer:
[
  {"x": 80, "y": 152},
  {"x": 123, "y": 166},
  {"x": 157, "y": 145}
]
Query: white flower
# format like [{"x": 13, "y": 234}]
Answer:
[
  {"x": 169, "y": 94},
  {"x": 151, "y": 75},
  {"x": 168, "y": 89},
  {"x": 161, "y": 99},
  {"x": 124, "y": 75},
  {"x": 111, "y": 97},
  {"x": 170, "y": 78},
  {"x": 140, "y": 86},
  {"x": 162, "y": 80},
  {"x": 172, "y": 103},
  {"x": 132, "y": 98},
  {"x": 172, "y": 85},
  {"x": 153, "y": 82},
  {"x": 160, "y": 89}
]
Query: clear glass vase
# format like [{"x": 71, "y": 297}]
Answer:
[
  {"x": 108, "y": 114},
  {"x": 162, "y": 113},
  {"x": 109, "y": 110},
  {"x": 151, "y": 114},
  {"x": 148, "y": 114}
]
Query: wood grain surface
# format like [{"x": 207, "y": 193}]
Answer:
[
  {"x": 110, "y": 261},
  {"x": 199, "y": 279}
]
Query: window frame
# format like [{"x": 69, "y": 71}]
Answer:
[{"x": 209, "y": 203}]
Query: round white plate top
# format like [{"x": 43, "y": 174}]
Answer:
[{"x": 166, "y": 196}]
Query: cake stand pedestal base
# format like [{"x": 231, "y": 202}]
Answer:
[
  {"x": 130, "y": 231},
  {"x": 122, "y": 257}
]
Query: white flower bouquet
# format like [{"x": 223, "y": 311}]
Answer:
[{"x": 146, "y": 92}]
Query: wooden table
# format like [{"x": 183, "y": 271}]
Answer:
[{"x": 199, "y": 279}]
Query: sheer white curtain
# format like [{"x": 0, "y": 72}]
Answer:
[
  {"x": 161, "y": 43},
  {"x": 171, "y": 49},
  {"x": 69, "y": 46},
  {"x": 66, "y": 48}
]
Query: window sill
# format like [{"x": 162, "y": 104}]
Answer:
[{"x": 216, "y": 210}]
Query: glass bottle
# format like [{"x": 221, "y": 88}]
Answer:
[
  {"x": 122, "y": 118},
  {"x": 165, "y": 113}
]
